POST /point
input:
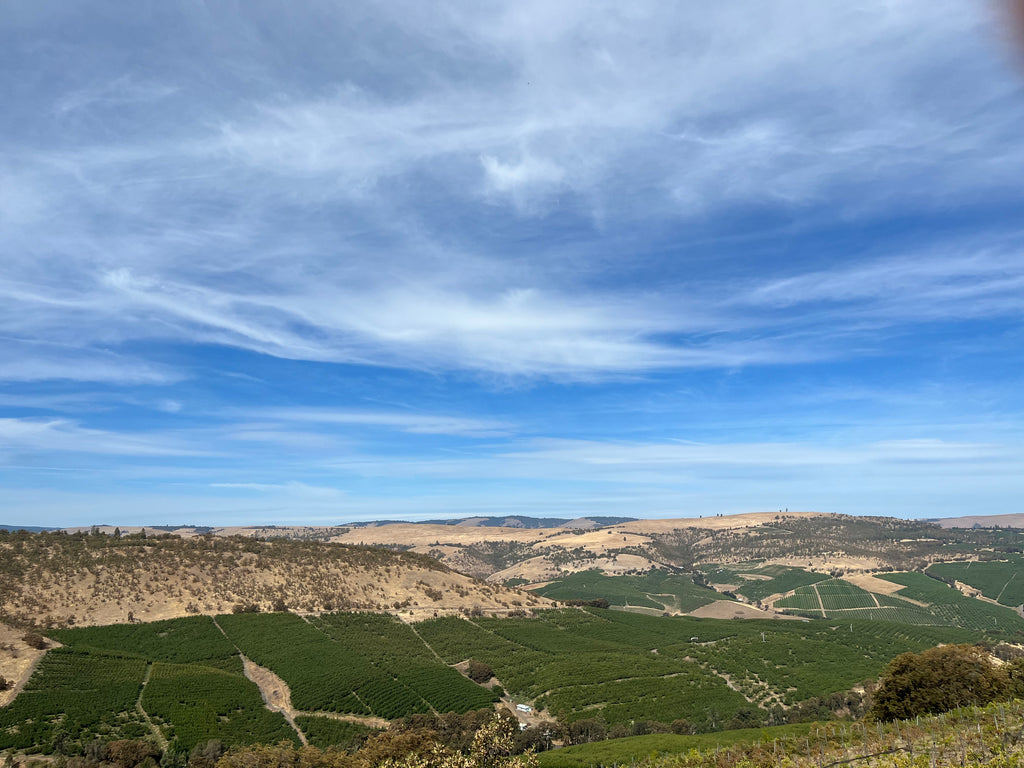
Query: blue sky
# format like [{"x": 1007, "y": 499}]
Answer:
[{"x": 319, "y": 262}]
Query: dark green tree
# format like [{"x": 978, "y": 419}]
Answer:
[{"x": 938, "y": 680}]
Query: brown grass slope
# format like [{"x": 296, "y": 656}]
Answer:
[
  {"x": 819, "y": 541},
  {"x": 55, "y": 579}
]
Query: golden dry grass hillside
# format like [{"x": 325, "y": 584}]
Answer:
[
  {"x": 818, "y": 541},
  {"x": 61, "y": 579}
]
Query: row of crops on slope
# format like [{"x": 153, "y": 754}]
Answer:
[
  {"x": 322, "y": 674},
  {"x": 364, "y": 664},
  {"x": 192, "y": 703},
  {"x": 194, "y": 639},
  {"x": 999, "y": 580},
  {"x": 326, "y": 732},
  {"x": 72, "y": 698},
  {"x": 950, "y": 606},
  {"x": 756, "y": 582},
  {"x": 788, "y": 660},
  {"x": 929, "y": 601},
  {"x": 657, "y": 589},
  {"x": 614, "y": 665},
  {"x": 578, "y": 665},
  {"x": 621, "y": 666},
  {"x": 185, "y": 674},
  {"x": 397, "y": 650}
]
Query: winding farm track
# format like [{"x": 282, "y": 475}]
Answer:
[
  {"x": 275, "y": 692},
  {"x": 277, "y": 696},
  {"x": 265, "y": 693},
  {"x": 157, "y": 733}
]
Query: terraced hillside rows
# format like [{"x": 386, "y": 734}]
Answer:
[
  {"x": 756, "y": 581},
  {"x": 361, "y": 664},
  {"x": 657, "y": 590},
  {"x": 951, "y": 606},
  {"x": 620, "y": 666},
  {"x": 922, "y": 600},
  {"x": 182, "y": 682},
  {"x": 1000, "y": 580},
  {"x": 179, "y": 682}
]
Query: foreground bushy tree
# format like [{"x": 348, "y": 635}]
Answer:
[{"x": 941, "y": 679}]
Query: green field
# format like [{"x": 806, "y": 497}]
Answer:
[
  {"x": 950, "y": 606},
  {"x": 194, "y": 639},
  {"x": 615, "y": 666},
  {"x": 756, "y": 582},
  {"x": 326, "y": 732},
  {"x": 971, "y": 736},
  {"x": 192, "y": 703},
  {"x": 621, "y": 666},
  {"x": 396, "y": 650},
  {"x": 999, "y": 580},
  {"x": 839, "y": 600},
  {"x": 194, "y": 689},
  {"x": 72, "y": 698},
  {"x": 657, "y": 589}
]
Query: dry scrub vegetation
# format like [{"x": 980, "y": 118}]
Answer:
[{"x": 60, "y": 579}]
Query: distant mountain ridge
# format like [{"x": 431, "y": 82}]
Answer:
[
  {"x": 980, "y": 521},
  {"x": 511, "y": 521}
]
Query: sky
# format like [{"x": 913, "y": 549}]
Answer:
[{"x": 319, "y": 262}]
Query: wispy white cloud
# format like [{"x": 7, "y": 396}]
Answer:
[
  {"x": 18, "y": 436},
  {"x": 296, "y": 489},
  {"x": 23, "y": 361},
  {"x": 674, "y": 463},
  {"x": 119, "y": 91},
  {"x": 944, "y": 284},
  {"x": 622, "y": 116},
  {"x": 416, "y": 423}
]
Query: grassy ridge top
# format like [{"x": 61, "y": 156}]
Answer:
[{"x": 59, "y": 579}]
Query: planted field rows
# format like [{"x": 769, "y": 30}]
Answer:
[
  {"x": 621, "y": 666},
  {"x": 999, "y": 580},
  {"x": 950, "y": 606},
  {"x": 611, "y": 665},
  {"x": 396, "y": 650},
  {"x": 942, "y": 605},
  {"x": 196, "y": 690},
  {"x": 73, "y": 698},
  {"x": 756, "y": 581},
  {"x": 365, "y": 664},
  {"x": 657, "y": 589},
  {"x": 192, "y": 703}
]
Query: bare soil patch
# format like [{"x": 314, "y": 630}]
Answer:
[
  {"x": 278, "y": 698},
  {"x": 725, "y": 609},
  {"x": 873, "y": 584},
  {"x": 824, "y": 564},
  {"x": 17, "y": 661}
]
